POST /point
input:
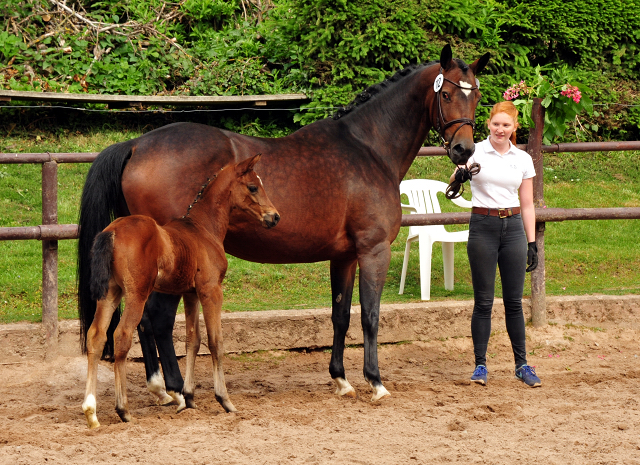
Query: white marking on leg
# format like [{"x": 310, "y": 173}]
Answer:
[
  {"x": 466, "y": 88},
  {"x": 156, "y": 387},
  {"x": 179, "y": 400},
  {"x": 89, "y": 408},
  {"x": 344, "y": 388},
  {"x": 378, "y": 392}
]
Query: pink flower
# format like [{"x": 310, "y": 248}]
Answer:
[
  {"x": 572, "y": 92},
  {"x": 511, "y": 93},
  {"x": 516, "y": 90}
]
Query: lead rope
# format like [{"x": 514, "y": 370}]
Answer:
[{"x": 456, "y": 187}]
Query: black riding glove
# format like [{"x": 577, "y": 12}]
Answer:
[{"x": 532, "y": 256}]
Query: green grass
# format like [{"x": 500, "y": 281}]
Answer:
[{"x": 582, "y": 257}]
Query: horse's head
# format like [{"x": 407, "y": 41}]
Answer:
[
  {"x": 456, "y": 97},
  {"x": 249, "y": 195}
]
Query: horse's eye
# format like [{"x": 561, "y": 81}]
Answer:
[
  {"x": 253, "y": 189},
  {"x": 446, "y": 96}
]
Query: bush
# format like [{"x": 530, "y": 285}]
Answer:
[{"x": 330, "y": 49}]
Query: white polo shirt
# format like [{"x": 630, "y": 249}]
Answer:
[{"x": 500, "y": 176}]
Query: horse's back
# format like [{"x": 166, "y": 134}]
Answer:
[{"x": 319, "y": 178}]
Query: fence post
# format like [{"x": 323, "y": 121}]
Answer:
[
  {"x": 534, "y": 148},
  {"x": 50, "y": 260}
]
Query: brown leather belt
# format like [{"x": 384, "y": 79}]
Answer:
[{"x": 501, "y": 212}]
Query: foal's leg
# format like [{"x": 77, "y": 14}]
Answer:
[
  {"x": 122, "y": 337},
  {"x": 192, "y": 321},
  {"x": 342, "y": 278},
  {"x": 211, "y": 299},
  {"x": 374, "y": 265},
  {"x": 96, "y": 339}
]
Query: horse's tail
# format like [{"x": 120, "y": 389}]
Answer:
[
  {"x": 102, "y": 201},
  {"x": 101, "y": 255}
]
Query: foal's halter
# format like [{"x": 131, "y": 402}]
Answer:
[
  {"x": 199, "y": 194},
  {"x": 441, "y": 124}
]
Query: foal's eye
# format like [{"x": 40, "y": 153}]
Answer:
[{"x": 253, "y": 189}]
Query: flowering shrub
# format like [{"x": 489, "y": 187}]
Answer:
[{"x": 562, "y": 102}]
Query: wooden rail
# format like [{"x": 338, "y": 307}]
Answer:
[{"x": 123, "y": 101}]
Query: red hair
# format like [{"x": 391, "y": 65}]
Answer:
[{"x": 510, "y": 109}]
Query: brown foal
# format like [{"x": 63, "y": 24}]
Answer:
[{"x": 134, "y": 256}]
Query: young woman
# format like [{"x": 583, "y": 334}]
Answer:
[{"x": 502, "y": 233}]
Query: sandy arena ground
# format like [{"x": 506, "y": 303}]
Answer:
[{"x": 586, "y": 412}]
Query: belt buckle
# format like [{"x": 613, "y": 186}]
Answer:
[{"x": 504, "y": 212}]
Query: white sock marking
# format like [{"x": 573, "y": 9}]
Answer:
[{"x": 344, "y": 388}]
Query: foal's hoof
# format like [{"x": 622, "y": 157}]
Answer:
[
  {"x": 379, "y": 392},
  {"x": 166, "y": 399},
  {"x": 226, "y": 404},
  {"x": 89, "y": 409},
  {"x": 124, "y": 415},
  {"x": 344, "y": 389}
]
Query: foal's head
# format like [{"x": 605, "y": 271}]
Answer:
[{"x": 248, "y": 194}]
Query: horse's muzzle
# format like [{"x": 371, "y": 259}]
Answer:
[
  {"x": 460, "y": 153},
  {"x": 269, "y": 220}
]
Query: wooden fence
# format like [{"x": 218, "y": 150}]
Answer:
[{"x": 49, "y": 232}]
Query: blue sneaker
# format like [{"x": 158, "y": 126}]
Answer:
[
  {"x": 528, "y": 376},
  {"x": 480, "y": 375}
]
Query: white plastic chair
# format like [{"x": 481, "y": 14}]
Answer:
[{"x": 423, "y": 198}]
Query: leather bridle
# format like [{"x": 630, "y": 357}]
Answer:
[{"x": 442, "y": 125}]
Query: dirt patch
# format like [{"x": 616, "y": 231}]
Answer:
[{"x": 587, "y": 410}]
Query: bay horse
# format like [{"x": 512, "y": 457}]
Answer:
[
  {"x": 134, "y": 256},
  {"x": 336, "y": 184}
]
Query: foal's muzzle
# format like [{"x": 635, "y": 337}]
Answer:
[{"x": 269, "y": 220}]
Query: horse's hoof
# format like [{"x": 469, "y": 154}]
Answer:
[
  {"x": 379, "y": 392},
  {"x": 178, "y": 400},
  {"x": 155, "y": 385},
  {"x": 344, "y": 389}
]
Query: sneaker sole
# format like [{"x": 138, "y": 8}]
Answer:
[{"x": 530, "y": 385}]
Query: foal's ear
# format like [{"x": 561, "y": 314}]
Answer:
[
  {"x": 247, "y": 165},
  {"x": 445, "y": 57},
  {"x": 480, "y": 63}
]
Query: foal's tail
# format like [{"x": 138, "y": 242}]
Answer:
[
  {"x": 101, "y": 254},
  {"x": 102, "y": 201}
]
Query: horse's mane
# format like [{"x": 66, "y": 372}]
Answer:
[{"x": 376, "y": 89}]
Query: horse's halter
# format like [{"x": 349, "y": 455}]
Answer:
[{"x": 441, "y": 124}]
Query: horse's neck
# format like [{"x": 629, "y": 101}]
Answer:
[
  {"x": 395, "y": 124},
  {"x": 212, "y": 211}
]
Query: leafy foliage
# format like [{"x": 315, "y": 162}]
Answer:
[
  {"x": 562, "y": 98},
  {"x": 329, "y": 49}
]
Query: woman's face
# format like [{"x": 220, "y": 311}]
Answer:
[{"x": 501, "y": 126}]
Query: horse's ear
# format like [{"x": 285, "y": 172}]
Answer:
[
  {"x": 445, "y": 57},
  {"x": 480, "y": 63},
  {"x": 247, "y": 165}
]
